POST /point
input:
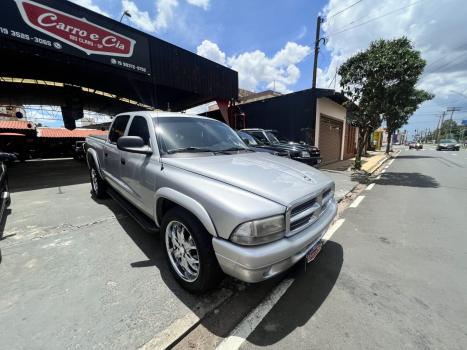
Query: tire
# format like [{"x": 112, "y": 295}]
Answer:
[
  {"x": 98, "y": 184},
  {"x": 208, "y": 274}
]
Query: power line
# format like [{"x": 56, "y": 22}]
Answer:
[
  {"x": 328, "y": 17},
  {"x": 371, "y": 20}
]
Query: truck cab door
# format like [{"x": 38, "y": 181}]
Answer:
[
  {"x": 112, "y": 155},
  {"x": 139, "y": 171}
]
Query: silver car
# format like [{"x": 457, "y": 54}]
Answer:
[{"x": 219, "y": 206}]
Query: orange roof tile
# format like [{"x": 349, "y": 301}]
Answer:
[
  {"x": 65, "y": 133},
  {"x": 17, "y": 124}
]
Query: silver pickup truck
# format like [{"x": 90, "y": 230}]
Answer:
[{"x": 218, "y": 206}]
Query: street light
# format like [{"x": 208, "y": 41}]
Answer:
[{"x": 125, "y": 13}]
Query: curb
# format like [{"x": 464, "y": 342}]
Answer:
[{"x": 382, "y": 161}]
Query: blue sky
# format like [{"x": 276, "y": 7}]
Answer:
[{"x": 270, "y": 42}]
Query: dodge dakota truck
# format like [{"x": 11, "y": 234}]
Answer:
[{"x": 218, "y": 206}]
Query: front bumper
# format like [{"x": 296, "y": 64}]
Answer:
[{"x": 258, "y": 263}]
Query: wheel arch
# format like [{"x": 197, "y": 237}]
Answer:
[
  {"x": 166, "y": 198},
  {"x": 91, "y": 156}
]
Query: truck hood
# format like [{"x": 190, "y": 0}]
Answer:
[{"x": 279, "y": 179}]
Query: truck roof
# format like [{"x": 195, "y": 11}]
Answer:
[{"x": 162, "y": 114}]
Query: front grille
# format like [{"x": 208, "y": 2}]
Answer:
[
  {"x": 307, "y": 212},
  {"x": 301, "y": 207},
  {"x": 300, "y": 222}
]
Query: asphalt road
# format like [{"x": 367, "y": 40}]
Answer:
[{"x": 393, "y": 276}]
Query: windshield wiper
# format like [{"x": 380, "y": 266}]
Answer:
[
  {"x": 233, "y": 149},
  {"x": 188, "y": 149}
]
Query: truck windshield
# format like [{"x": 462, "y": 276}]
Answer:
[
  {"x": 185, "y": 134},
  {"x": 272, "y": 138}
]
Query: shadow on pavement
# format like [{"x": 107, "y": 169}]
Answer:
[
  {"x": 407, "y": 179},
  {"x": 304, "y": 297},
  {"x": 149, "y": 244},
  {"x": 39, "y": 174}
]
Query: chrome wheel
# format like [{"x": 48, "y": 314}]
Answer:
[
  {"x": 182, "y": 251},
  {"x": 94, "y": 180}
]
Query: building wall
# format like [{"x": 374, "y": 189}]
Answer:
[
  {"x": 351, "y": 139},
  {"x": 330, "y": 109},
  {"x": 291, "y": 115}
]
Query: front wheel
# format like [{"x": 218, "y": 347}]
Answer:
[{"x": 188, "y": 250}]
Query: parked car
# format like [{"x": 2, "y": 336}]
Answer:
[
  {"x": 415, "y": 145},
  {"x": 301, "y": 152},
  {"x": 79, "y": 151},
  {"x": 218, "y": 206},
  {"x": 448, "y": 145},
  {"x": 4, "y": 191},
  {"x": 254, "y": 145}
]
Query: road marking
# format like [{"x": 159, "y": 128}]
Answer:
[
  {"x": 179, "y": 327},
  {"x": 370, "y": 187},
  {"x": 387, "y": 166},
  {"x": 391, "y": 161},
  {"x": 243, "y": 330},
  {"x": 378, "y": 177},
  {"x": 453, "y": 154},
  {"x": 383, "y": 171},
  {"x": 250, "y": 322},
  {"x": 356, "y": 202},
  {"x": 332, "y": 230}
]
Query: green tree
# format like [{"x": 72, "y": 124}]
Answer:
[{"x": 380, "y": 84}]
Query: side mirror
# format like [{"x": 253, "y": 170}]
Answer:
[{"x": 133, "y": 144}]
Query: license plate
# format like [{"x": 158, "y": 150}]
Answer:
[{"x": 313, "y": 252}]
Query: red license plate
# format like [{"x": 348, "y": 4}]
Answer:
[{"x": 313, "y": 252}]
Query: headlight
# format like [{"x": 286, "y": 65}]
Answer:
[{"x": 259, "y": 231}]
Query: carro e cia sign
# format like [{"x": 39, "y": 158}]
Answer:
[{"x": 77, "y": 32}]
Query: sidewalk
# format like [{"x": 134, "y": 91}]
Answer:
[{"x": 370, "y": 162}]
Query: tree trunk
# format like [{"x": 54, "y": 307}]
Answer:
[
  {"x": 388, "y": 146},
  {"x": 362, "y": 137}
]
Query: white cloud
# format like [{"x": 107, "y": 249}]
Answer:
[
  {"x": 200, "y": 3},
  {"x": 435, "y": 28},
  {"x": 211, "y": 51},
  {"x": 258, "y": 71},
  {"x": 90, "y": 6},
  {"x": 165, "y": 13}
]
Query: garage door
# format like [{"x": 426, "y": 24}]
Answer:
[{"x": 330, "y": 137}]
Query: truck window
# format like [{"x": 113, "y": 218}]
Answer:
[
  {"x": 118, "y": 128},
  {"x": 139, "y": 127},
  {"x": 259, "y": 136}
]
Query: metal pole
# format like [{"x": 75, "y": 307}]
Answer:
[
  {"x": 317, "y": 39},
  {"x": 440, "y": 126}
]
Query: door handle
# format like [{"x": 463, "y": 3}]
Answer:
[
  {"x": 122, "y": 160},
  {"x": 106, "y": 154}
]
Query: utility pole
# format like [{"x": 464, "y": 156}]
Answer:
[
  {"x": 319, "y": 20},
  {"x": 452, "y": 110},
  {"x": 439, "y": 127}
]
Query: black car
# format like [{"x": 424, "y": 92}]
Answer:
[
  {"x": 254, "y": 145},
  {"x": 79, "y": 152},
  {"x": 4, "y": 192},
  {"x": 448, "y": 145},
  {"x": 298, "y": 151}
]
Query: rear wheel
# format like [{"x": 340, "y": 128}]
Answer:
[
  {"x": 188, "y": 249},
  {"x": 98, "y": 184}
]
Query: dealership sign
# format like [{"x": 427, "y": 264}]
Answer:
[{"x": 65, "y": 28}]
